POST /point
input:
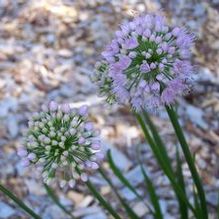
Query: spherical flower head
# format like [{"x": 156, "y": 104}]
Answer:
[
  {"x": 62, "y": 143},
  {"x": 141, "y": 62}
]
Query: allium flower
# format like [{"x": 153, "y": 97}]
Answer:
[
  {"x": 62, "y": 144},
  {"x": 146, "y": 64}
]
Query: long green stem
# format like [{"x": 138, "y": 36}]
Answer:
[
  {"x": 162, "y": 163},
  {"x": 180, "y": 179},
  {"x": 157, "y": 139},
  {"x": 157, "y": 213},
  {"x": 162, "y": 147},
  {"x": 19, "y": 202},
  {"x": 185, "y": 148},
  {"x": 102, "y": 201}
]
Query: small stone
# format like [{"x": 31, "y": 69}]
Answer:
[
  {"x": 65, "y": 53},
  {"x": 98, "y": 181},
  {"x": 135, "y": 176},
  {"x": 105, "y": 190},
  {"x": 199, "y": 10},
  {"x": 121, "y": 161},
  {"x": 128, "y": 194},
  {"x": 201, "y": 163},
  {"x": 3, "y": 132},
  {"x": 53, "y": 212},
  {"x": 196, "y": 116},
  {"x": 212, "y": 198},
  {"x": 64, "y": 200},
  {"x": 87, "y": 211},
  {"x": 140, "y": 209},
  {"x": 35, "y": 187},
  {"x": 6, "y": 105},
  {"x": 6, "y": 211},
  {"x": 76, "y": 197},
  {"x": 162, "y": 180},
  {"x": 99, "y": 215},
  {"x": 12, "y": 125},
  {"x": 163, "y": 205},
  {"x": 86, "y": 201},
  {"x": 166, "y": 215}
]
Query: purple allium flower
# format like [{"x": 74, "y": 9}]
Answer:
[
  {"x": 147, "y": 50},
  {"x": 60, "y": 141},
  {"x": 22, "y": 152}
]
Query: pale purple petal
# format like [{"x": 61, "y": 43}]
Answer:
[
  {"x": 83, "y": 110},
  {"x": 168, "y": 96},
  {"x": 95, "y": 146},
  {"x": 99, "y": 156},
  {"x": 22, "y": 152},
  {"x": 31, "y": 156},
  {"x": 89, "y": 126},
  {"x": 145, "y": 68},
  {"x": 65, "y": 108},
  {"x": 81, "y": 140},
  {"x": 53, "y": 106},
  {"x": 131, "y": 43}
]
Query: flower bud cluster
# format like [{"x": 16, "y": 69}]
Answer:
[
  {"x": 103, "y": 81},
  {"x": 62, "y": 144},
  {"x": 147, "y": 63}
]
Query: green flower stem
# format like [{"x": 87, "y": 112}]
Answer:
[
  {"x": 129, "y": 211},
  {"x": 163, "y": 164},
  {"x": 157, "y": 213},
  {"x": 162, "y": 147},
  {"x": 19, "y": 202},
  {"x": 101, "y": 200},
  {"x": 189, "y": 159},
  {"x": 180, "y": 179},
  {"x": 157, "y": 139}
]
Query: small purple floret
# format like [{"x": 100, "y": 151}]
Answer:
[
  {"x": 22, "y": 152},
  {"x": 83, "y": 110},
  {"x": 53, "y": 106}
]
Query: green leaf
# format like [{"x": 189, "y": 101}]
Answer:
[
  {"x": 161, "y": 161},
  {"x": 180, "y": 179},
  {"x": 153, "y": 196},
  {"x": 120, "y": 176},
  {"x": 189, "y": 159},
  {"x": 157, "y": 139},
  {"x": 129, "y": 211},
  {"x": 196, "y": 202},
  {"x": 102, "y": 201},
  {"x": 195, "y": 195},
  {"x": 53, "y": 196},
  {"x": 159, "y": 142},
  {"x": 19, "y": 202}
]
